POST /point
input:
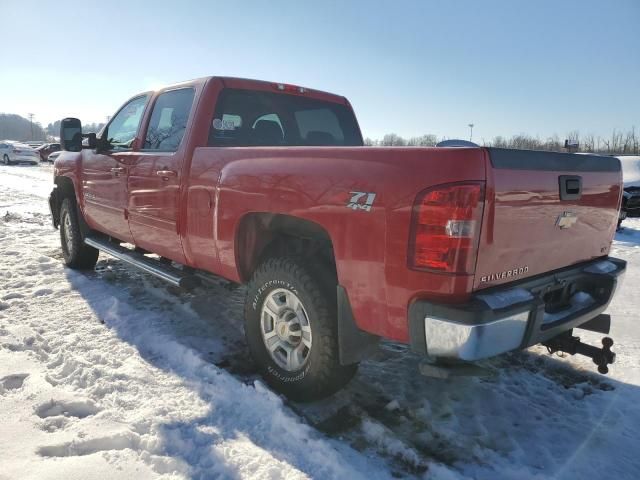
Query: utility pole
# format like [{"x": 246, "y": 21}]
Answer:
[
  {"x": 471, "y": 134},
  {"x": 31, "y": 115}
]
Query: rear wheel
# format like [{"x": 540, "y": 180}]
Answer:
[
  {"x": 76, "y": 253},
  {"x": 6, "y": 160},
  {"x": 291, "y": 329}
]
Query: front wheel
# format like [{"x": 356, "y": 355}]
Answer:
[
  {"x": 76, "y": 253},
  {"x": 6, "y": 160},
  {"x": 291, "y": 330}
]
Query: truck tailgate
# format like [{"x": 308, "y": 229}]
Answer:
[{"x": 545, "y": 211}]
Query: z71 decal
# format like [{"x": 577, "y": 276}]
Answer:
[{"x": 361, "y": 201}]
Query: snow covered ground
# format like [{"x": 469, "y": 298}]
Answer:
[{"x": 113, "y": 374}]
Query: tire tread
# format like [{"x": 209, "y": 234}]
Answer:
[
  {"x": 83, "y": 256},
  {"x": 329, "y": 375}
]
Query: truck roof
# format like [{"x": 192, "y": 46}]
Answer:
[{"x": 253, "y": 84}]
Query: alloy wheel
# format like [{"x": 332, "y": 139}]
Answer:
[{"x": 286, "y": 330}]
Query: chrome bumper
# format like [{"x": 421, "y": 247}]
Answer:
[
  {"x": 508, "y": 318},
  {"x": 474, "y": 342}
]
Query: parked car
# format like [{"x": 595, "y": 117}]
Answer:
[
  {"x": 631, "y": 202},
  {"x": 15, "y": 152},
  {"x": 463, "y": 253},
  {"x": 52, "y": 156},
  {"x": 46, "y": 149}
]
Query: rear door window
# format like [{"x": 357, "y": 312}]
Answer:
[
  {"x": 256, "y": 118},
  {"x": 169, "y": 120}
]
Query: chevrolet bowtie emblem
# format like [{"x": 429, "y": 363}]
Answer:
[{"x": 566, "y": 220}]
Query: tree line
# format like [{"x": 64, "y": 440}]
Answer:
[
  {"x": 619, "y": 142},
  {"x": 53, "y": 129},
  {"x": 15, "y": 127}
]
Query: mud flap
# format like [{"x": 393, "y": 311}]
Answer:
[{"x": 354, "y": 344}]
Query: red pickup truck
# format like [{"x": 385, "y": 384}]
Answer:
[{"x": 463, "y": 253}]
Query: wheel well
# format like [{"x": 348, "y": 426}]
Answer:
[
  {"x": 266, "y": 234},
  {"x": 65, "y": 188}
]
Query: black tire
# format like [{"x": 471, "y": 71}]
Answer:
[
  {"x": 76, "y": 253},
  {"x": 6, "y": 160},
  {"x": 322, "y": 374}
]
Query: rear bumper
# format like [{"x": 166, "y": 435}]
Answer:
[{"x": 513, "y": 317}]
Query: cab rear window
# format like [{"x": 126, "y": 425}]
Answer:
[{"x": 255, "y": 118}]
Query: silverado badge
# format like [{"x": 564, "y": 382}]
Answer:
[{"x": 516, "y": 272}]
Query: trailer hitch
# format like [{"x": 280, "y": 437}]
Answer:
[{"x": 567, "y": 343}]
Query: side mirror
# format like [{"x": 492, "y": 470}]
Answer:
[
  {"x": 71, "y": 134},
  {"x": 102, "y": 141}
]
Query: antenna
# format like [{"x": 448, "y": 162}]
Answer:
[{"x": 471, "y": 133}]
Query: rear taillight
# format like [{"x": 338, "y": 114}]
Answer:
[{"x": 446, "y": 228}]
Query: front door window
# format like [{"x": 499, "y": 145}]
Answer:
[{"x": 123, "y": 128}]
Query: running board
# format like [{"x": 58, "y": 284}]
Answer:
[{"x": 168, "y": 273}]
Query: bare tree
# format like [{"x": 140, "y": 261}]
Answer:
[
  {"x": 618, "y": 143},
  {"x": 393, "y": 140}
]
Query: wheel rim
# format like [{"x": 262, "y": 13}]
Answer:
[
  {"x": 68, "y": 233},
  {"x": 286, "y": 330}
]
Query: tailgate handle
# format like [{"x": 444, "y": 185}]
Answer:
[{"x": 570, "y": 187}]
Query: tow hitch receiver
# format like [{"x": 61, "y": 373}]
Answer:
[{"x": 567, "y": 343}]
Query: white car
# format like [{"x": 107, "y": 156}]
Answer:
[
  {"x": 15, "y": 152},
  {"x": 52, "y": 156}
]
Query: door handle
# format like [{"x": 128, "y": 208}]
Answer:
[
  {"x": 570, "y": 187},
  {"x": 117, "y": 171},
  {"x": 165, "y": 174}
]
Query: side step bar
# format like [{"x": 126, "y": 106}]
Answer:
[{"x": 170, "y": 274}]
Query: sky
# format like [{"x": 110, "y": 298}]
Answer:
[{"x": 408, "y": 67}]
